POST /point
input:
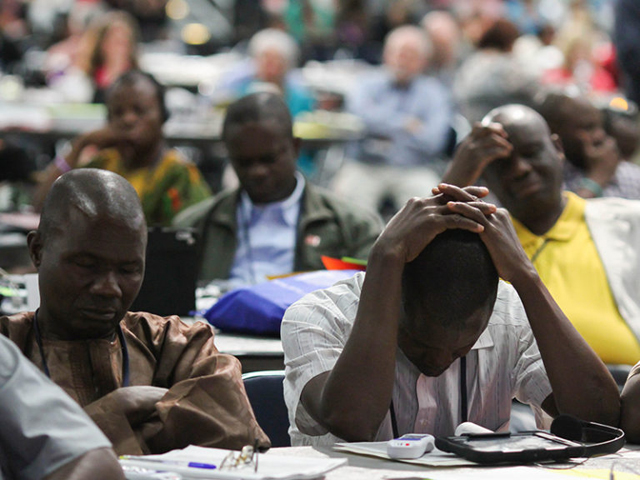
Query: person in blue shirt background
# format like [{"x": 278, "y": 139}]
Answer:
[
  {"x": 276, "y": 222},
  {"x": 407, "y": 118},
  {"x": 273, "y": 55}
]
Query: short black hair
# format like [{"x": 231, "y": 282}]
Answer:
[
  {"x": 258, "y": 107},
  {"x": 500, "y": 35},
  {"x": 133, "y": 76},
  {"x": 554, "y": 105},
  {"x": 450, "y": 279}
]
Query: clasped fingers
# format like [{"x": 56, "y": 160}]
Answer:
[
  {"x": 448, "y": 193},
  {"x": 419, "y": 221}
]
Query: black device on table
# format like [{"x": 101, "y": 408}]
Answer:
[{"x": 569, "y": 437}]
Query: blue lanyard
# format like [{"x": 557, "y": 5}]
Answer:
[{"x": 123, "y": 347}]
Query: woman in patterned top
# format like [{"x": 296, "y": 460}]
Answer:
[{"x": 132, "y": 145}]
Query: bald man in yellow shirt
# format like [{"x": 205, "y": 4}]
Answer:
[{"x": 585, "y": 251}]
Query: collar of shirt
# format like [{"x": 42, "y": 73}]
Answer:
[
  {"x": 401, "y": 87},
  {"x": 484, "y": 340},
  {"x": 419, "y": 413},
  {"x": 288, "y": 209},
  {"x": 564, "y": 229}
]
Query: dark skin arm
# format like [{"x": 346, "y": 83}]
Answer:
[
  {"x": 100, "y": 139},
  {"x": 582, "y": 386},
  {"x": 630, "y": 412},
  {"x": 96, "y": 464},
  {"x": 485, "y": 143},
  {"x": 352, "y": 400}
]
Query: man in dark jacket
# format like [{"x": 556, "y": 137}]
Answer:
[{"x": 276, "y": 222}]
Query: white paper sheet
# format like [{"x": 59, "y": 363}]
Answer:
[
  {"x": 435, "y": 458},
  {"x": 270, "y": 467}
]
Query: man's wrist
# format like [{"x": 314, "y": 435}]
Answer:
[
  {"x": 525, "y": 277},
  {"x": 463, "y": 172},
  {"x": 61, "y": 164},
  {"x": 381, "y": 253}
]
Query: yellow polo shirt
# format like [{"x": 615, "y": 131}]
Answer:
[{"x": 569, "y": 265}]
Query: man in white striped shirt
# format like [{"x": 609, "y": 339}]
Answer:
[{"x": 430, "y": 338}]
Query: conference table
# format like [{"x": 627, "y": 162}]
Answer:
[
  {"x": 196, "y": 126},
  {"x": 255, "y": 353},
  {"x": 196, "y": 131},
  {"x": 625, "y": 465}
]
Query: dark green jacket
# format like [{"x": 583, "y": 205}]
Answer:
[{"x": 327, "y": 226}]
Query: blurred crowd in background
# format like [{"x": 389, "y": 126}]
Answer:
[
  {"x": 560, "y": 40},
  {"x": 317, "y": 53}
]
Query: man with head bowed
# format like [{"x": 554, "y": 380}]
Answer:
[{"x": 151, "y": 384}]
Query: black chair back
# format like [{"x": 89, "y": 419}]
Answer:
[{"x": 265, "y": 392}]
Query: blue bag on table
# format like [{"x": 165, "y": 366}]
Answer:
[{"x": 258, "y": 310}]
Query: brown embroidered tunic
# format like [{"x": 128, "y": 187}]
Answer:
[{"x": 205, "y": 404}]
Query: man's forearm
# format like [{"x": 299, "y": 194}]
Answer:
[
  {"x": 357, "y": 393},
  {"x": 53, "y": 171},
  {"x": 581, "y": 383},
  {"x": 630, "y": 411},
  {"x": 461, "y": 174}
]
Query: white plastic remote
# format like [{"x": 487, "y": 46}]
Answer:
[{"x": 411, "y": 445}]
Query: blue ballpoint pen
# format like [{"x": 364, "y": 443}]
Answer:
[{"x": 177, "y": 463}]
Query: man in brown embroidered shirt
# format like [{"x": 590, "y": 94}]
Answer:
[{"x": 150, "y": 383}]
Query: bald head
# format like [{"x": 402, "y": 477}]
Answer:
[
  {"x": 408, "y": 35},
  {"x": 528, "y": 183},
  {"x": 440, "y": 21},
  {"x": 517, "y": 116},
  {"x": 258, "y": 108},
  {"x": 95, "y": 194},
  {"x": 90, "y": 254}
]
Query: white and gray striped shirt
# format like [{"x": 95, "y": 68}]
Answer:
[{"x": 503, "y": 364}]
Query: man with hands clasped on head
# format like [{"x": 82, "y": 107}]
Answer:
[{"x": 429, "y": 337}]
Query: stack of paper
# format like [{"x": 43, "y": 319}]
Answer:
[{"x": 270, "y": 467}]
